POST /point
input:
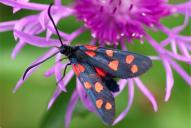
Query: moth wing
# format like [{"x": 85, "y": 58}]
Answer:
[
  {"x": 95, "y": 88},
  {"x": 117, "y": 63}
]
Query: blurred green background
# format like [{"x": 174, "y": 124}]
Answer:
[{"x": 27, "y": 108}]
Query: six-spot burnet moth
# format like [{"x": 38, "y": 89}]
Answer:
[{"x": 96, "y": 67}]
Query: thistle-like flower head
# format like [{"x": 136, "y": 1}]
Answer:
[{"x": 113, "y": 20}]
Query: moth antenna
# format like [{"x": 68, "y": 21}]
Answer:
[
  {"x": 34, "y": 65},
  {"x": 49, "y": 14}
]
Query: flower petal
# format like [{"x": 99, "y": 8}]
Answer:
[
  {"x": 17, "y": 49},
  {"x": 37, "y": 41},
  {"x": 50, "y": 72},
  {"x": 54, "y": 97},
  {"x": 58, "y": 72},
  {"x": 181, "y": 71},
  {"x": 70, "y": 108},
  {"x": 58, "y": 2},
  {"x": 147, "y": 93},
  {"x": 182, "y": 8},
  {"x": 7, "y": 26},
  {"x": 58, "y": 90},
  {"x": 23, "y": 5},
  {"x": 130, "y": 102},
  {"x": 184, "y": 25},
  {"x": 46, "y": 55},
  {"x": 174, "y": 46},
  {"x": 67, "y": 78},
  {"x": 21, "y": 43},
  {"x": 184, "y": 50},
  {"x": 17, "y": 9},
  {"x": 122, "y": 83},
  {"x": 26, "y": 23},
  {"x": 169, "y": 79},
  {"x": 154, "y": 57}
]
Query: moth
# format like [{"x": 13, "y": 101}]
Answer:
[{"x": 96, "y": 68}]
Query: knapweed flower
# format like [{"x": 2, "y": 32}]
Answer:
[{"x": 112, "y": 22}]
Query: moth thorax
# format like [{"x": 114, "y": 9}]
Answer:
[{"x": 66, "y": 50}]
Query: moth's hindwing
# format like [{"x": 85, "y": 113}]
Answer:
[
  {"x": 117, "y": 63},
  {"x": 99, "y": 94},
  {"x": 108, "y": 80}
]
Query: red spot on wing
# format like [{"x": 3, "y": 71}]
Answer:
[
  {"x": 99, "y": 103},
  {"x": 87, "y": 85},
  {"x": 129, "y": 59},
  {"x": 78, "y": 68},
  {"x": 90, "y": 47},
  {"x": 100, "y": 72},
  {"x": 108, "y": 106},
  {"x": 75, "y": 70},
  {"x": 114, "y": 65},
  {"x": 81, "y": 67},
  {"x": 98, "y": 87},
  {"x": 134, "y": 68},
  {"x": 90, "y": 53}
]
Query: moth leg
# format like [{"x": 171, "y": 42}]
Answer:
[{"x": 64, "y": 72}]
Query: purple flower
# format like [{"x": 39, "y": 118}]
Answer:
[
  {"x": 114, "y": 20},
  {"x": 111, "y": 22}
]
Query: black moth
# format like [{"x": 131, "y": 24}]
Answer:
[{"x": 96, "y": 67}]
